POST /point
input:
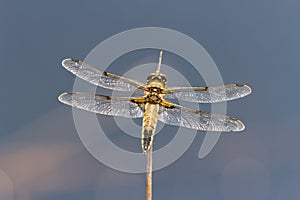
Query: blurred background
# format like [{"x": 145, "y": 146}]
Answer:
[{"x": 255, "y": 42}]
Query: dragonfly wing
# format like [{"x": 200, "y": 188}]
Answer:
[
  {"x": 131, "y": 107},
  {"x": 174, "y": 114},
  {"x": 99, "y": 77},
  {"x": 212, "y": 94}
]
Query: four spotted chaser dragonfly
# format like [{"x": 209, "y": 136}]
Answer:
[{"x": 152, "y": 104}]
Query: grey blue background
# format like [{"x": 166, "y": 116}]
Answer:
[{"x": 255, "y": 42}]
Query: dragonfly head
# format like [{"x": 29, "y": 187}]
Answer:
[{"x": 157, "y": 78}]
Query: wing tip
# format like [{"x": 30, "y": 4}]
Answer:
[
  {"x": 65, "y": 60},
  {"x": 69, "y": 62},
  {"x": 249, "y": 89},
  {"x": 240, "y": 126},
  {"x": 64, "y": 97}
]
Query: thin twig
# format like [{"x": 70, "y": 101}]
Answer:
[
  {"x": 159, "y": 62},
  {"x": 149, "y": 176}
]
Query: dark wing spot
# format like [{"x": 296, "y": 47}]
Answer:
[
  {"x": 74, "y": 60},
  {"x": 105, "y": 73}
]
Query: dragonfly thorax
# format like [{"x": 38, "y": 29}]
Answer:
[{"x": 153, "y": 98}]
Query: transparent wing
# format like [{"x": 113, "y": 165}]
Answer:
[
  {"x": 117, "y": 106},
  {"x": 212, "y": 94},
  {"x": 99, "y": 77},
  {"x": 174, "y": 114}
]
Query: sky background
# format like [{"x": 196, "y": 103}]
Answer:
[{"x": 255, "y": 42}]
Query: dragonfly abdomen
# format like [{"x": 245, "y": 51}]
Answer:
[{"x": 149, "y": 125}]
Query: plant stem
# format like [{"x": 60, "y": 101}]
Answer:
[{"x": 149, "y": 176}]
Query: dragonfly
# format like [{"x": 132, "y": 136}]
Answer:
[{"x": 154, "y": 102}]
